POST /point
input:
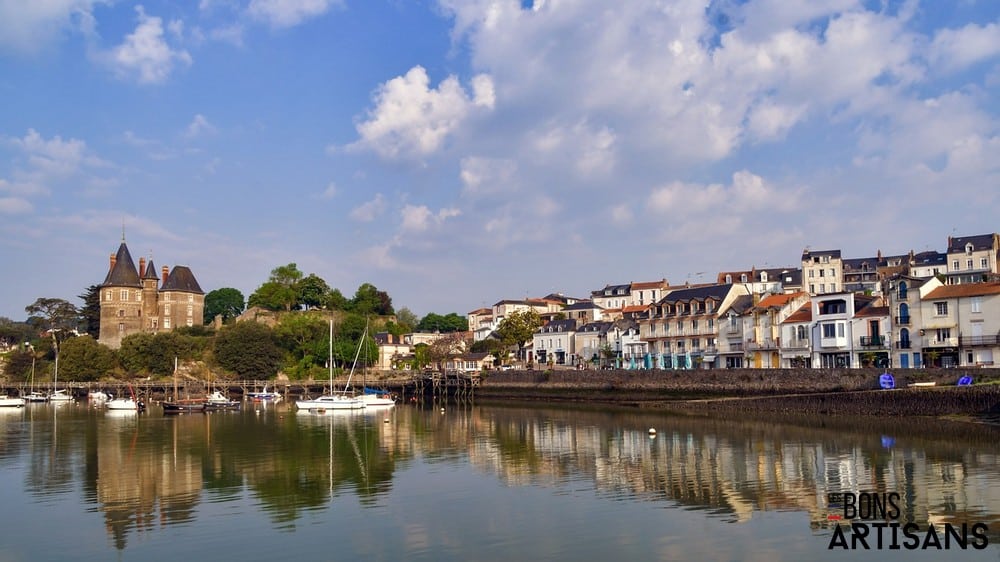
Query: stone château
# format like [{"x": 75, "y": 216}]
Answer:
[{"x": 141, "y": 301}]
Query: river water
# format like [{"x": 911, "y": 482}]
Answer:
[{"x": 487, "y": 482}]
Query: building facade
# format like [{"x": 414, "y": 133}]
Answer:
[{"x": 137, "y": 300}]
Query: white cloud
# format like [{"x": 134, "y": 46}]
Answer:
[
  {"x": 370, "y": 210},
  {"x": 28, "y": 26},
  {"x": 14, "y": 205},
  {"x": 43, "y": 164},
  {"x": 289, "y": 13},
  {"x": 330, "y": 192},
  {"x": 747, "y": 193},
  {"x": 412, "y": 119},
  {"x": 621, "y": 214},
  {"x": 199, "y": 126},
  {"x": 482, "y": 176},
  {"x": 956, "y": 49},
  {"x": 145, "y": 53},
  {"x": 418, "y": 218}
]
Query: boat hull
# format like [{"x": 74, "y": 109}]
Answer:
[
  {"x": 331, "y": 403},
  {"x": 6, "y": 402},
  {"x": 183, "y": 407}
]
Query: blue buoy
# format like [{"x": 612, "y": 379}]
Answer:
[
  {"x": 886, "y": 381},
  {"x": 966, "y": 380}
]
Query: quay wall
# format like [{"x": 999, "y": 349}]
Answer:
[{"x": 843, "y": 391}]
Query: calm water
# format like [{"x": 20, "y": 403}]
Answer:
[{"x": 473, "y": 483}]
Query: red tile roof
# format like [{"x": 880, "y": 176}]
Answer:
[{"x": 964, "y": 290}]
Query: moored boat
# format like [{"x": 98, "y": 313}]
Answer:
[
  {"x": 36, "y": 396},
  {"x": 11, "y": 402},
  {"x": 60, "y": 395},
  {"x": 376, "y": 397},
  {"x": 265, "y": 395},
  {"x": 124, "y": 404},
  {"x": 184, "y": 405},
  {"x": 218, "y": 401}
]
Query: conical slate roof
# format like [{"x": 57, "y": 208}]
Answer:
[
  {"x": 150, "y": 271},
  {"x": 124, "y": 273},
  {"x": 181, "y": 279}
]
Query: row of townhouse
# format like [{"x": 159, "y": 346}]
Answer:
[
  {"x": 911, "y": 310},
  {"x": 916, "y": 323}
]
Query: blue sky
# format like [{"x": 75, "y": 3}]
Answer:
[{"x": 455, "y": 153}]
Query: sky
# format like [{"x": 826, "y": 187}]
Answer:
[{"x": 456, "y": 153}]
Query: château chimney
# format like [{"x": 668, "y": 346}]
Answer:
[
  {"x": 112, "y": 262},
  {"x": 142, "y": 267},
  {"x": 164, "y": 270}
]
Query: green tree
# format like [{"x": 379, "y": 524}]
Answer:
[
  {"x": 15, "y": 333},
  {"x": 83, "y": 359},
  {"x": 279, "y": 292},
  {"x": 135, "y": 351},
  {"x": 518, "y": 328},
  {"x": 305, "y": 339},
  {"x": 369, "y": 300},
  {"x": 53, "y": 314},
  {"x": 406, "y": 319},
  {"x": 226, "y": 302},
  {"x": 313, "y": 291},
  {"x": 18, "y": 365},
  {"x": 248, "y": 349},
  {"x": 335, "y": 300},
  {"x": 450, "y": 322},
  {"x": 90, "y": 314}
]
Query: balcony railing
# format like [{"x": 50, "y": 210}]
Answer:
[
  {"x": 905, "y": 344},
  {"x": 903, "y": 320},
  {"x": 766, "y": 344},
  {"x": 942, "y": 342},
  {"x": 872, "y": 341},
  {"x": 736, "y": 346},
  {"x": 797, "y": 344},
  {"x": 978, "y": 340}
]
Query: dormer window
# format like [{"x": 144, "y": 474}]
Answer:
[
  {"x": 729, "y": 279},
  {"x": 763, "y": 277},
  {"x": 743, "y": 278},
  {"x": 968, "y": 249}
]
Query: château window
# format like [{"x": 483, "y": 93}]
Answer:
[
  {"x": 121, "y": 327},
  {"x": 190, "y": 310},
  {"x": 954, "y": 265},
  {"x": 166, "y": 323},
  {"x": 190, "y": 298},
  {"x": 124, "y": 294},
  {"x": 108, "y": 295},
  {"x": 190, "y": 322},
  {"x": 166, "y": 310},
  {"x": 121, "y": 313},
  {"x": 968, "y": 264},
  {"x": 983, "y": 263}
]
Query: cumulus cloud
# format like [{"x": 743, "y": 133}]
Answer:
[
  {"x": 199, "y": 126},
  {"x": 330, "y": 192},
  {"x": 747, "y": 192},
  {"x": 419, "y": 218},
  {"x": 956, "y": 49},
  {"x": 27, "y": 26},
  {"x": 289, "y": 13},
  {"x": 14, "y": 205},
  {"x": 482, "y": 176},
  {"x": 410, "y": 118},
  {"x": 145, "y": 53},
  {"x": 44, "y": 163},
  {"x": 370, "y": 210}
]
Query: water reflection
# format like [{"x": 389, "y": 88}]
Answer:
[{"x": 144, "y": 473}]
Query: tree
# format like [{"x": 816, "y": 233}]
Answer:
[
  {"x": 90, "y": 314},
  {"x": 14, "y": 333},
  {"x": 226, "y": 302},
  {"x": 83, "y": 359},
  {"x": 518, "y": 328},
  {"x": 249, "y": 349},
  {"x": 448, "y": 345},
  {"x": 279, "y": 292},
  {"x": 305, "y": 338},
  {"x": 18, "y": 365},
  {"x": 451, "y": 322},
  {"x": 407, "y": 319},
  {"x": 52, "y": 314},
  {"x": 335, "y": 300},
  {"x": 312, "y": 291},
  {"x": 369, "y": 300}
]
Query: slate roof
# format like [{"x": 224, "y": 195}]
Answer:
[
  {"x": 956, "y": 245},
  {"x": 929, "y": 258},
  {"x": 697, "y": 293},
  {"x": 150, "y": 271},
  {"x": 808, "y": 254},
  {"x": 741, "y": 304},
  {"x": 582, "y": 305},
  {"x": 181, "y": 279},
  {"x": 124, "y": 273},
  {"x": 600, "y": 327},
  {"x": 567, "y": 325}
]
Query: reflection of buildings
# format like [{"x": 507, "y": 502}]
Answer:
[
  {"x": 736, "y": 468},
  {"x": 139, "y": 487}
]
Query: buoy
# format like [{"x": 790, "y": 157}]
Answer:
[
  {"x": 442, "y": 409},
  {"x": 652, "y": 431},
  {"x": 386, "y": 420}
]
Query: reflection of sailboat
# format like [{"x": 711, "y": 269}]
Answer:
[
  {"x": 182, "y": 405},
  {"x": 335, "y": 400}
]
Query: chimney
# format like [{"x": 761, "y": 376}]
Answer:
[
  {"x": 142, "y": 266},
  {"x": 112, "y": 262},
  {"x": 164, "y": 271}
]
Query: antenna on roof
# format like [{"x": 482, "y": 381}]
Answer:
[{"x": 123, "y": 229}]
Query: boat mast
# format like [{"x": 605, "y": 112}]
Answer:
[
  {"x": 356, "y": 354},
  {"x": 330, "y": 360}
]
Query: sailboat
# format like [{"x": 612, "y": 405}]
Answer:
[
  {"x": 265, "y": 394},
  {"x": 129, "y": 403},
  {"x": 182, "y": 405},
  {"x": 58, "y": 395},
  {"x": 34, "y": 395},
  {"x": 335, "y": 400}
]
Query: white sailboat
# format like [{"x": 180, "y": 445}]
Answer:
[
  {"x": 34, "y": 395},
  {"x": 335, "y": 400},
  {"x": 58, "y": 395}
]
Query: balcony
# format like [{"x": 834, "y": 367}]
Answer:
[
  {"x": 942, "y": 342},
  {"x": 905, "y": 344},
  {"x": 766, "y": 344},
  {"x": 903, "y": 320},
  {"x": 972, "y": 341},
  {"x": 797, "y": 344},
  {"x": 872, "y": 341},
  {"x": 738, "y": 346}
]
